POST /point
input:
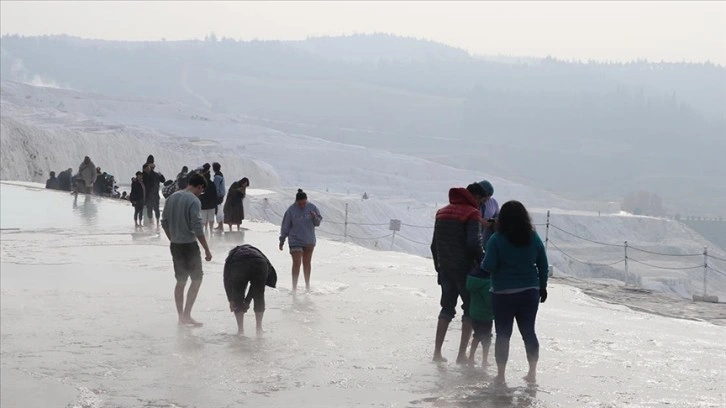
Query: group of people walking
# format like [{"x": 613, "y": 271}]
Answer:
[
  {"x": 495, "y": 262},
  {"x": 218, "y": 204},
  {"x": 490, "y": 258},
  {"x": 145, "y": 187},
  {"x": 148, "y": 183},
  {"x": 183, "y": 223}
]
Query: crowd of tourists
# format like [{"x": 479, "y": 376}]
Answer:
[{"x": 490, "y": 259}]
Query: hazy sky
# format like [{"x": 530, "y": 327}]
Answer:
[{"x": 611, "y": 30}]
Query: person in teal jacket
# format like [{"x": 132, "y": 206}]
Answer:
[
  {"x": 516, "y": 259},
  {"x": 479, "y": 285}
]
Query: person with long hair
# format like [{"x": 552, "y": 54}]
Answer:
[
  {"x": 298, "y": 227},
  {"x": 234, "y": 210},
  {"x": 516, "y": 259}
]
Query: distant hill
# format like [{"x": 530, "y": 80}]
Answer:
[
  {"x": 373, "y": 48},
  {"x": 586, "y": 129}
]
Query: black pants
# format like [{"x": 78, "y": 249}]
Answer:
[
  {"x": 152, "y": 206},
  {"x": 138, "y": 212},
  {"x": 251, "y": 271},
  {"x": 521, "y": 306}
]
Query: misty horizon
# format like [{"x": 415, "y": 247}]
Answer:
[
  {"x": 614, "y": 31},
  {"x": 500, "y": 57}
]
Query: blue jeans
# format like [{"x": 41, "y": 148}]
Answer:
[{"x": 523, "y": 307}]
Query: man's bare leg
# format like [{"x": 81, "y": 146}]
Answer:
[
  {"x": 179, "y": 299},
  {"x": 240, "y": 316},
  {"x": 466, "y": 330},
  {"x": 258, "y": 319},
  {"x": 307, "y": 257},
  {"x": 441, "y": 328},
  {"x": 296, "y": 261},
  {"x": 191, "y": 298}
]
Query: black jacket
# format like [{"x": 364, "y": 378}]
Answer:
[
  {"x": 52, "y": 183},
  {"x": 99, "y": 186},
  {"x": 137, "y": 195},
  {"x": 209, "y": 196},
  {"x": 456, "y": 246},
  {"x": 240, "y": 254},
  {"x": 64, "y": 180},
  {"x": 152, "y": 181}
]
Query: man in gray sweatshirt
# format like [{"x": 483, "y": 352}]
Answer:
[{"x": 182, "y": 223}]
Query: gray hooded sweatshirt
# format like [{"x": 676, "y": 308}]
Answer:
[{"x": 298, "y": 225}]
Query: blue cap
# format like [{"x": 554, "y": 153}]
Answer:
[{"x": 487, "y": 186}]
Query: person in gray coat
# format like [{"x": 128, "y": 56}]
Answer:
[
  {"x": 86, "y": 176},
  {"x": 298, "y": 227}
]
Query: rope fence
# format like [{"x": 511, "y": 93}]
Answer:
[{"x": 395, "y": 227}]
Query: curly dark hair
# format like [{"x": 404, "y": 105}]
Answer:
[{"x": 515, "y": 224}]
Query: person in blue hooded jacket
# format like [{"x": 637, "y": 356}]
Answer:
[
  {"x": 489, "y": 209},
  {"x": 298, "y": 227}
]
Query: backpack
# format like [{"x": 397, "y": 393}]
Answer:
[{"x": 169, "y": 189}]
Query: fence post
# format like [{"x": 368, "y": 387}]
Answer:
[
  {"x": 705, "y": 269},
  {"x": 626, "y": 264},
  {"x": 345, "y": 225},
  {"x": 393, "y": 239},
  {"x": 547, "y": 231}
]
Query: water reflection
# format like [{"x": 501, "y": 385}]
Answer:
[
  {"x": 303, "y": 302},
  {"x": 233, "y": 237},
  {"x": 187, "y": 340},
  {"x": 88, "y": 210},
  {"x": 468, "y": 386}
]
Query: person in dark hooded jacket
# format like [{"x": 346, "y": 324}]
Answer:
[
  {"x": 99, "y": 186},
  {"x": 152, "y": 182},
  {"x": 52, "y": 182},
  {"x": 244, "y": 265},
  {"x": 138, "y": 198},
  {"x": 456, "y": 249},
  {"x": 64, "y": 180},
  {"x": 209, "y": 203}
]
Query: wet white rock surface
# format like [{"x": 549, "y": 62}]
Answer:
[{"x": 87, "y": 319}]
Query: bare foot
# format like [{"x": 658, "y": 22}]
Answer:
[
  {"x": 260, "y": 332},
  {"x": 188, "y": 321},
  {"x": 499, "y": 380},
  {"x": 462, "y": 360},
  {"x": 530, "y": 378},
  {"x": 438, "y": 358}
]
